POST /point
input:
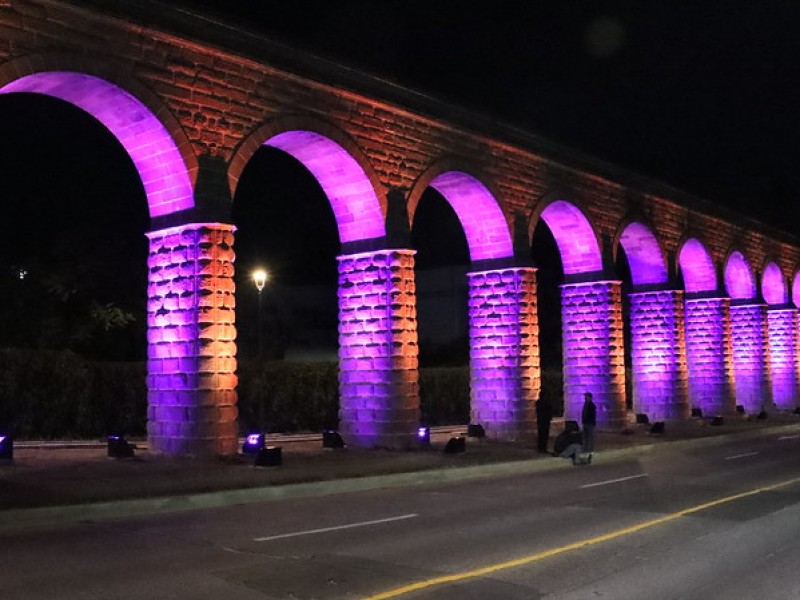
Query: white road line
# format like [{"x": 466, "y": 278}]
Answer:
[
  {"x": 589, "y": 485},
  {"x": 788, "y": 437},
  {"x": 338, "y": 527},
  {"x": 735, "y": 456}
]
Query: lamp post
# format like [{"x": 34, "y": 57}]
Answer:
[{"x": 260, "y": 277}]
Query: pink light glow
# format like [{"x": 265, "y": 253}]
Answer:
[
  {"x": 481, "y": 217},
  {"x": 796, "y": 289},
  {"x": 644, "y": 255},
  {"x": 697, "y": 267},
  {"x": 739, "y": 281},
  {"x": 772, "y": 285},
  {"x": 576, "y": 241},
  {"x": 149, "y": 144},
  {"x": 351, "y": 194}
]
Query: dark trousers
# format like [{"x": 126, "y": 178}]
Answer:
[{"x": 544, "y": 435}]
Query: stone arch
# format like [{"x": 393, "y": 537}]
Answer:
[
  {"x": 796, "y": 289},
  {"x": 773, "y": 284},
  {"x": 342, "y": 170},
  {"x": 739, "y": 280},
  {"x": 138, "y": 118},
  {"x": 645, "y": 255},
  {"x": 575, "y": 237},
  {"x": 478, "y": 208},
  {"x": 699, "y": 274}
]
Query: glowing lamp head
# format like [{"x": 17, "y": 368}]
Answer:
[
  {"x": 253, "y": 443},
  {"x": 424, "y": 435},
  {"x": 6, "y": 448},
  {"x": 260, "y": 278}
]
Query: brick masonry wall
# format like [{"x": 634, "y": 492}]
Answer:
[
  {"x": 505, "y": 372},
  {"x": 658, "y": 355},
  {"x": 782, "y": 328},
  {"x": 591, "y": 317},
  {"x": 378, "y": 377},
  {"x": 191, "y": 337},
  {"x": 709, "y": 355},
  {"x": 750, "y": 355}
]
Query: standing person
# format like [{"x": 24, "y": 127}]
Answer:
[
  {"x": 544, "y": 414},
  {"x": 588, "y": 422}
]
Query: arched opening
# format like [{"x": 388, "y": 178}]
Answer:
[
  {"x": 773, "y": 285},
  {"x": 708, "y": 333},
  {"x": 739, "y": 281},
  {"x": 81, "y": 179},
  {"x": 299, "y": 198},
  {"x": 653, "y": 316},
  {"x": 472, "y": 224},
  {"x": 748, "y": 335},
  {"x": 796, "y": 289},
  {"x": 441, "y": 266},
  {"x": 782, "y": 334},
  {"x": 591, "y": 317}
]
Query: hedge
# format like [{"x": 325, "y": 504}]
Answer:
[{"x": 60, "y": 395}]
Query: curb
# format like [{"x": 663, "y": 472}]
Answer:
[{"x": 14, "y": 520}]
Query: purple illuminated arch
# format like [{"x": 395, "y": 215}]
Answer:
[
  {"x": 351, "y": 194},
  {"x": 644, "y": 255},
  {"x": 697, "y": 267},
  {"x": 739, "y": 281},
  {"x": 485, "y": 227},
  {"x": 574, "y": 236},
  {"x": 772, "y": 285},
  {"x": 796, "y": 289},
  {"x": 153, "y": 150}
]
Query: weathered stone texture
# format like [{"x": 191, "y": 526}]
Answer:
[
  {"x": 504, "y": 351},
  {"x": 658, "y": 355},
  {"x": 782, "y": 327},
  {"x": 591, "y": 320},
  {"x": 378, "y": 380},
  {"x": 191, "y": 335},
  {"x": 750, "y": 355}
]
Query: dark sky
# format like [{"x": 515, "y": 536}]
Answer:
[{"x": 701, "y": 95}]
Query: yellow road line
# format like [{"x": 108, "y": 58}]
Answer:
[{"x": 525, "y": 560}]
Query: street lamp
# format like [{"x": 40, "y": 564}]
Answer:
[{"x": 260, "y": 277}]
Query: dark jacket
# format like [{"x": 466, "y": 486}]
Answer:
[
  {"x": 565, "y": 438},
  {"x": 589, "y": 414}
]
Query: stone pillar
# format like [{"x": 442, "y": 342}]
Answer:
[
  {"x": 782, "y": 328},
  {"x": 591, "y": 318},
  {"x": 750, "y": 353},
  {"x": 191, "y": 339},
  {"x": 378, "y": 377},
  {"x": 505, "y": 375},
  {"x": 658, "y": 354},
  {"x": 709, "y": 354}
]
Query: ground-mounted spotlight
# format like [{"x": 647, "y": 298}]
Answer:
[
  {"x": 332, "y": 439},
  {"x": 424, "y": 436},
  {"x": 696, "y": 412},
  {"x": 119, "y": 447},
  {"x": 6, "y": 448},
  {"x": 739, "y": 409},
  {"x": 456, "y": 445},
  {"x": 796, "y": 411},
  {"x": 269, "y": 456},
  {"x": 475, "y": 430},
  {"x": 762, "y": 415},
  {"x": 253, "y": 443},
  {"x": 657, "y": 427},
  {"x": 717, "y": 421},
  {"x": 642, "y": 419}
]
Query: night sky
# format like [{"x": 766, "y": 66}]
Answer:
[{"x": 700, "y": 95}]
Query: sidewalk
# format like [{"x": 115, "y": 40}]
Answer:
[{"x": 50, "y": 483}]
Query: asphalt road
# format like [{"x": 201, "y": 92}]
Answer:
[{"x": 668, "y": 525}]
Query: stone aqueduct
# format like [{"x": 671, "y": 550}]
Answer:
[{"x": 713, "y": 309}]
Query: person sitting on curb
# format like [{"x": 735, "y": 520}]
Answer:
[{"x": 569, "y": 444}]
